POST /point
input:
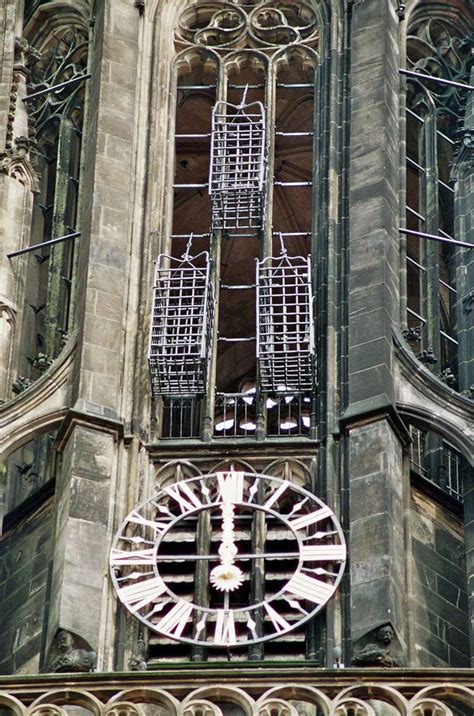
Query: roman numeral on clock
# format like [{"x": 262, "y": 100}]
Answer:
[
  {"x": 184, "y": 496},
  {"x": 280, "y": 624},
  {"x": 306, "y": 520},
  {"x": 276, "y": 495},
  {"x": 136, "y": 596},
  {"x": 158, "y": 526},
  {"x": 231, "y": 486},
  {"x": 141, "y": 556},
  {"x": 314, "y": 590},
  {"x": 176, "y": 619},
  {"x": 225, "y": 628},
  {"x": 323, "y": 552}
]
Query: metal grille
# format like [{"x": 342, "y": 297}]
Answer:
[
  {"x": 417, "y": 449},
  {"x": 181, "y": 325},
  {"x": 285, "y": 344},
  {"x": 237, "y": 168},
  {"x": 452, "y": 480}
]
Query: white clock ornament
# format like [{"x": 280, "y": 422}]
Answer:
[{"x": 274, "y": 554}]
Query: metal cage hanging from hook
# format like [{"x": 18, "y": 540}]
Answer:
[
  {"x": 238, "y": 168},
  {"x": 181, "y": 326},
  {"x": 285, "y": 341}
]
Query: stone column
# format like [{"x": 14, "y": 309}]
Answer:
[
  {"x": 375, "y": 452},
  {"x": 89, "y": 437},
  {"x": 463, "y": 172},
  {"x": 17, "y": 182},
  {"x": 80, "y": 538}
]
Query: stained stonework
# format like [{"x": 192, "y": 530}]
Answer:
[
  {"x": 24, "y": 575},
  {"x": 400, "y": 619},
  {"x": 439, "y": 584}
]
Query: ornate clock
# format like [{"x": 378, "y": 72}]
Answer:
[{"x": 228, "y": 559}]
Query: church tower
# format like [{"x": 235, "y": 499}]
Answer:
[{"x": 236, "y": 357}]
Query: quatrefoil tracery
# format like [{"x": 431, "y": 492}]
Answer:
[{"x": 271, "y": 24}]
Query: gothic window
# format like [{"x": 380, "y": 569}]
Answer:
[
  {"x": 55, "y": 103},
  {"x": 438, "y": 461},
  {"x": 438, "y": 46},
  {"x": 245, "y": 141}
]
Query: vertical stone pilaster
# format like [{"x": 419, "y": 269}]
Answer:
[
  {"x": 17, "y": 180},
  {"x": 463, "y": 171},
  {"x": 377, "y": 546},
  {"x": 373, "y": 211},
  {"x": 375, "y": 453},
  {"x": 80, "y": 546},
  {"x": 84, "y": 503},
  {"x": 8, "y": 10},
  {"x": 107, "y": 189}
]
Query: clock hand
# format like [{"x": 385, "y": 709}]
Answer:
[{"x": 227, "y": 576}]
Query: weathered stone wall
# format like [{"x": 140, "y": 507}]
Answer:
[
  {"x": 80, "y": 548},
  {"x": 439, "y": 584},
  {"x": 377, "y": 536},
  {"x": 24, "y": 565}
]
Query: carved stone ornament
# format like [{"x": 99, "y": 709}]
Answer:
[
  {"x": 378, "y": 647},
  {"x": 412, "y": 335},
  {"x": 42, "y": 362},
  {"x": 235, "y": 25},
  {"x": 20, "y": 384},
  {"x": 427, "y": 357},
  {"x": 137, "y": 661},
  {"x": 71, "y": 658},
  {"x": 448, "y": 377}
]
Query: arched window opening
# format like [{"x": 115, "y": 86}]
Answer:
[
  {"x": 256, "y": 75},
  {"x": 437, "y": 45},
  {"x": 55, "y": 105},
  {"x": 436, "y": 460},
  {"x": 29, "y": 473}
]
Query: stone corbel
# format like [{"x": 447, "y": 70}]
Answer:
[
  {"x": 379, "y": 647},
  {"x": 71, "y": 654}
]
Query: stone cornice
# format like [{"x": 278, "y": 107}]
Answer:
[{"x": 253, "y": 678}]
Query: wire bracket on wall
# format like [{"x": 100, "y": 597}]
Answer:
[
  {"x": 285, "y": 343},
  {"x": 182, "y": 320},
  {"x": 238, "y": 168}
]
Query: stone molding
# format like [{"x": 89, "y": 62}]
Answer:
[
  {"x": 424, "y": 397},
  {"x": 186, "y": 690},
  {"x": 7, "y": 308},
  {"x": 42, "y": 405}
]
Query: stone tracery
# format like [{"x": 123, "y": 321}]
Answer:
[{"x": 267, "y": 25}]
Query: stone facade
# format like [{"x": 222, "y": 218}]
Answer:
[{"x": 77, "y": 367}]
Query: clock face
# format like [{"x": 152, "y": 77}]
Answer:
[{"x": 228, "y": 559}]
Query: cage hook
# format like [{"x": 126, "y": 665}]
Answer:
[
  {"x": 283, "y": 251},
  {"x": 186, "y": 255},
  {"x": 244, "y": 97}
]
